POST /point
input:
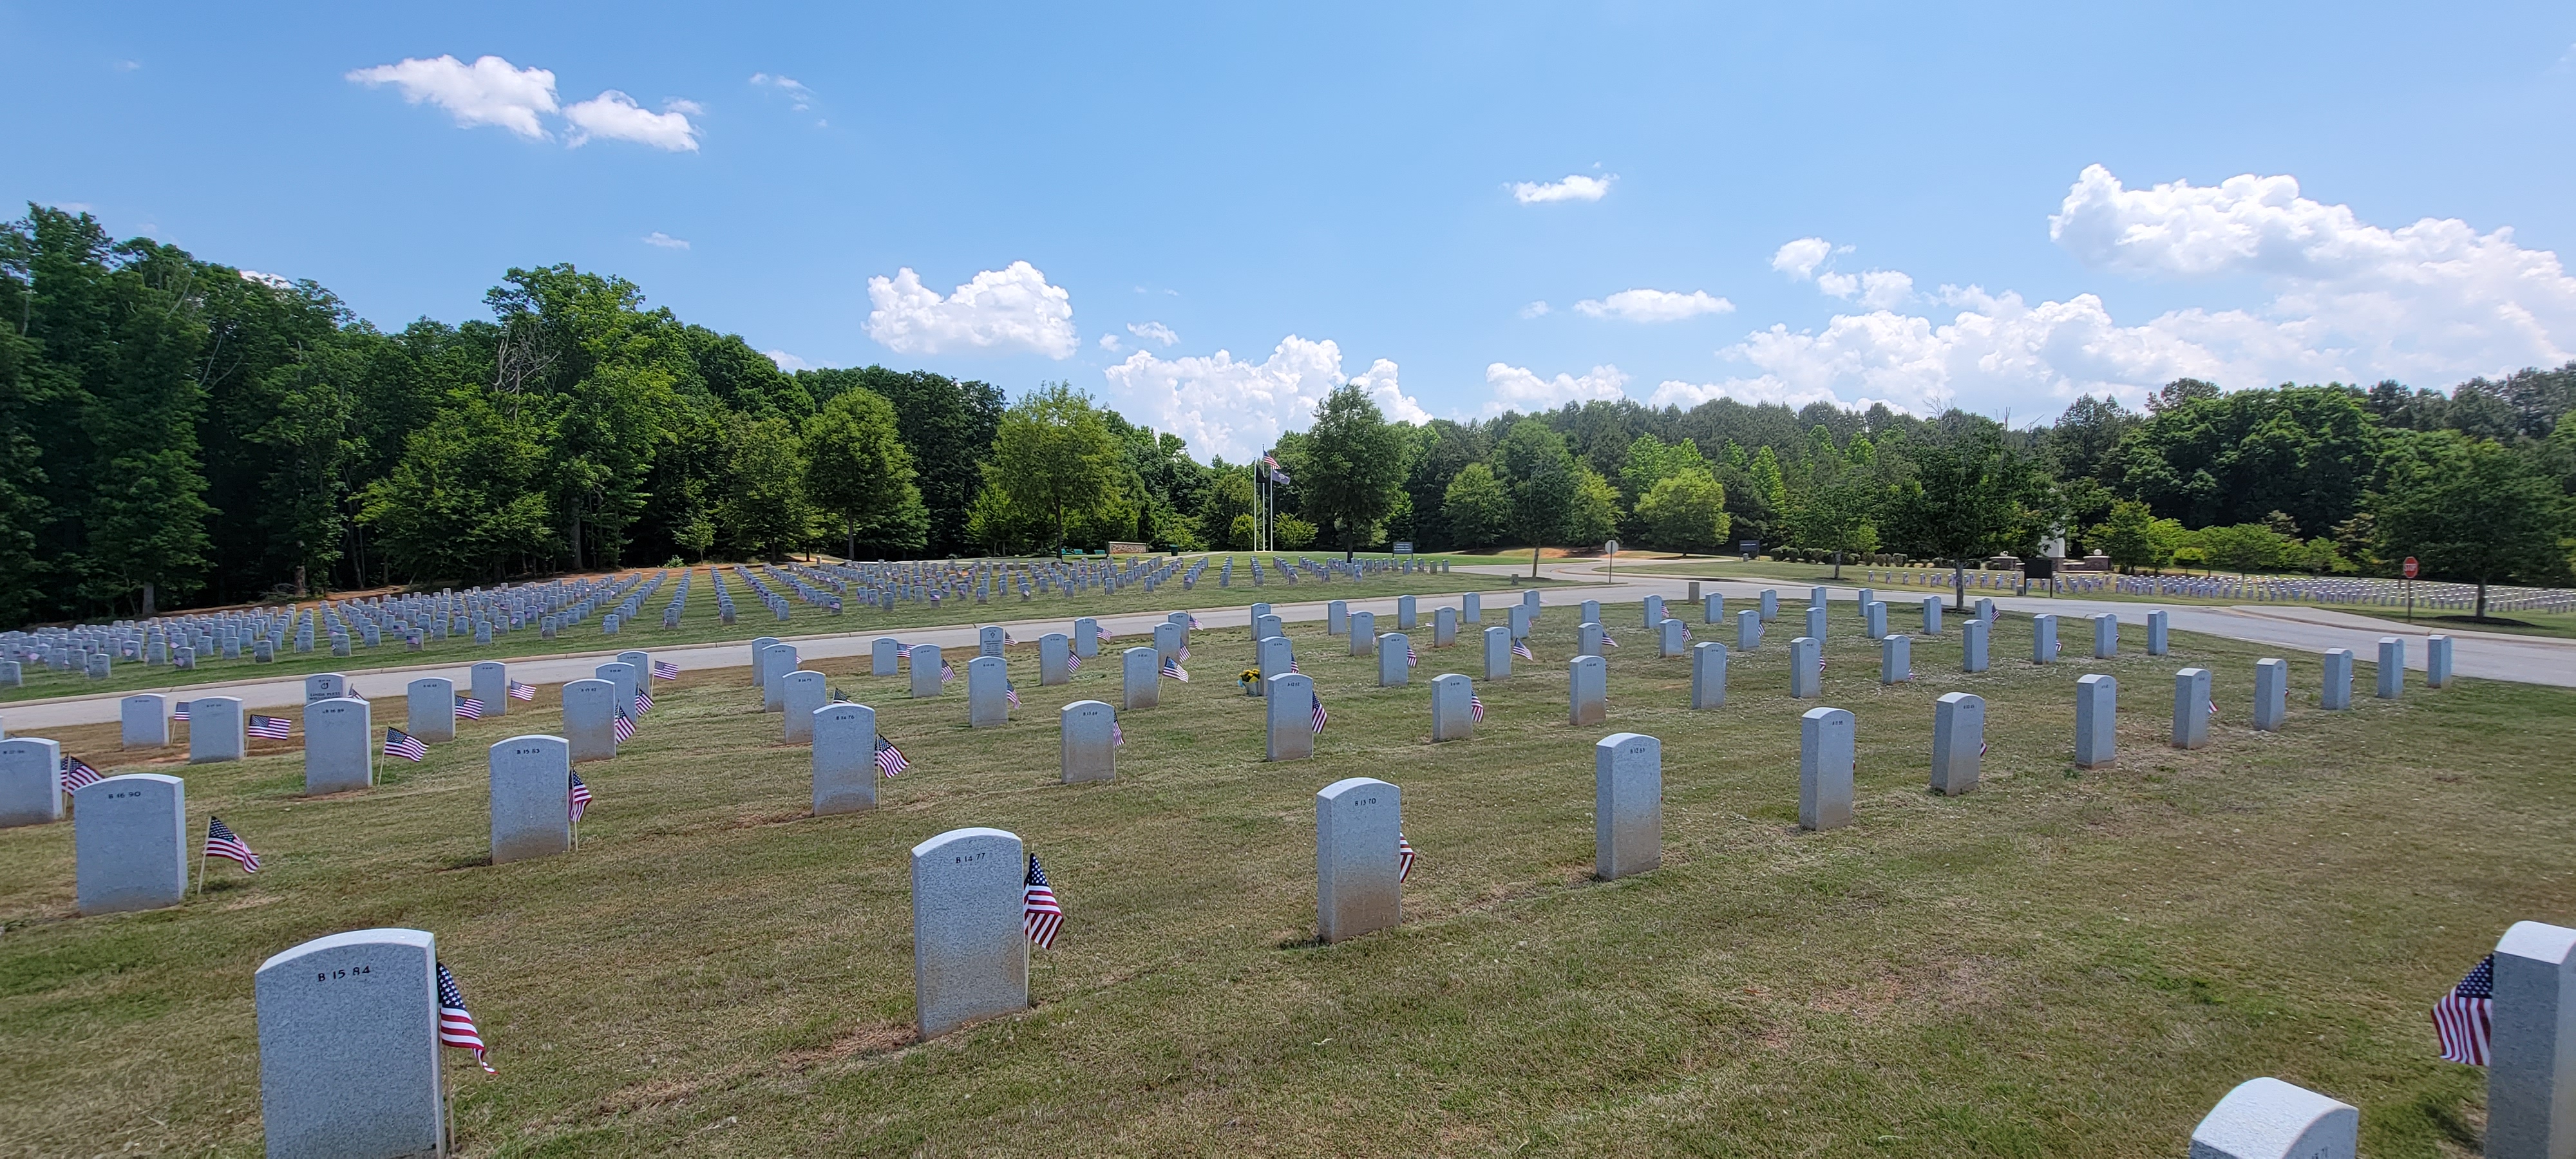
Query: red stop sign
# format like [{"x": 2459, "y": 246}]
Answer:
[{"x": 2410, "y": 567}]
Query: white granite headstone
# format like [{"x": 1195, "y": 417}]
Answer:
[
  {"x": 590, "y": 719},
  {"x": 845, "y": 764},
  {"x": 1087, "y": 746},
  {"x": 31, "y": 782},
  {"x": 1358, "y": 884},
  {"x": 1825, "y": 761},
  {"x": 1587, "y": 682},
  {"x": 531, "y": 793},
  {"x": 339, "y": 746},
  {"x": 130, "y": 840},
  {"x": 1627, "y": 805},
  {"x": 970, "y": 954},
  {"x": 215, "y": 730},
  {"x": 143, "y": 721},
  {"x": 2097, "y": 708},
  {"x": 1958, "y": 742},
  {"x": 348, "y": 1047}
]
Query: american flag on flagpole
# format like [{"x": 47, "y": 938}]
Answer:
[
  {"x": 889, "y": 758},
  {"x": 643, "y": 702},
  {"x": 577, "y": 798},
  {"x": 1039, "y": 913},
  {"x": 840, "y": 697},
  {"x": 268, "y": 727},
  {"x": 1476, "y": 707},
  {"x": 1011, "y": 694},
  {"x": 2213, "y": 710},
  {"x": 1194, "y": 621},
  {"x": 1412, "y": 657},
  {"x": 1521, "y": 649},
  {"x": 76, "y": 773},
  {"x": 402, "y": 744},
  {"x": 455, "y": 1026},
  {"x": 221, "y": 842},
  {"x": 623, "y": 727},
  {"x": 1184, "y": 653},
  {"x": 903, "y": 650},
  {"x": 1072, "y": 663},
  {"x": 468, "y": 708},
  {"x": 1607, "y": 641},
  {"x": 2463, "y": 1017},
  {"x": 520, "y": 691},
  {"x": 1317, "y": 715},
  {"x": 665, "y": 670},
  {"x": 946, "y": 673},
  {"x": 1403, "y": 858},
  {"x": 1292, "y": 665},
  {"x": 1117, "y": 735},
  {"x": 179, "y": 711},
  {"x": 1172, "y": 668}
]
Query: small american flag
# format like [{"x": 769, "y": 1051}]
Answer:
[
  {"x": 1072, "y": 664},
  {"x": 1039, "y": 913},
  {"x": 76, "y": 773},
  {"x": 946, "y": 673},
  {"x": 889, "y": 758},
  {"x": 840, "y": 697},
  {"x": 455, "y": 1026},
  {"x": 1184, "y": 652},
  {"x": 1011, "y": 694},
  {"x": 578, "y": 797},
  {"x": 1007, "y": 638},
  {"x": 2462, "y": 1018},
  {"x": 1606, "y": 640},
  {"x": 1411, "y": 657},
  {"x": 221, "y": 842},
  {"x": 269, "y": 727},
  {"x": 2213, "y": 710},
  {"x": 1292, "y": 665},
  {"x": 1476, "y": 707},
  {"x": 903, "y": 651},
  {"x": 402, "y": 744},
  {"x": 1521, "y": 649},
  {"x": 1194, "y": 621},
  {"x": 1117, "y": 735},
  {"x": 1981, "y": 748},
  {"x": 1403, "y": 858},
  {"x": 520, "y": 691},
  {"x": 1172, "y": 668},
  {"x": 665, "y": 670},
  {"x": 1317, "y": 715},
  {"x": 179, "y": 711},
  {"x": 643, "y": 702},
  {"x": 468, "y": 708},
  {"x": 623, "y": 726}
]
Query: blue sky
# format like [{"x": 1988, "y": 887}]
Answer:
[{"x": 1998, "y": 209}]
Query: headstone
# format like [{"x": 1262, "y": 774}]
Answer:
[
  {"x": 348, "y": 1047},
  {"x": 2097, "y": 705},
  {"x": 1748, "y": 630},
  {"x": 2271, "y": 694},
  {"x": 590, "y": 719},
  {"x": 1529, "y": 600},
  {"x": 1671, "y": 638},
  {"x": 1337, "y": 618},
  {"x": 130, "y": 840},
  {"x": 990, "y": 639},
  {"x": 1404, "y": 613},
  {"x": 1816, "y": 596},
  {"x": 1654, "y": 613},
  {"x": 325, "y": 686},
  {"x": 1086, "y": 637},
  {"x": 2156, "y": 633},
  {"x": 339, "y": 746},
  {"x": 1444, "y": 627},
  {"x": 1874, "y": 619},
  {"x": 531, "y": 778},
  {"x": 1276, "y": 654},
  {"x": 1471, "y": 607},
  {"x": 1142, "y": 670},
  {"x": 2336, "y": 696},
  {"x": 2531, "y": 1048},
  {"x": 1931, "y": 615},
  {"x": 1816, "y": 622},
  {"x": 1708, "y": 675},
  {"x": 2437, "y": 661},
  {"x": 1453, "y": 715},
  {"x": 2191, "y": 708},
  {"x": 1627, "y": 805},
  {"x": 1290, "y": 731},
  {"x": 1712, "y": 609},
  {"x": 1167, "y": 640},
  {"x": 1806, "y": 668},
  {"x": 1362, "y": 627},
  {"x": 1498, "y": 652},
  {"x": 1359, "y": 887},
  {"x": 491, "y": 684},
  {"x": 883, "y": 659},
  {"x": 760, "y": 662},
  {"x": 777, "y": 661},
  {"x": 429, "y": 709},
  {"x": 1825, "y": 757},
  {"x": 215, "y": 730},
  {"x": 1972, "y": 644},
  {"x": 926, "y": 662},
  {"x": 642, "y": 663},
  {"x": 1895, "y": 659},
  {"x": 2043, "y": 639},
  {"x": 1587, "y": 690},
  {"x": 845, "y": 758},
  {"x": 1087, "y": 746},
  {"x": 1958, "y": 742},
  {"x": 2266, "y": 1118},
  {"x": 970, "y": 952},
  {"x": 2106, "y": 636},
  {"x": 1589, "y": 639},
  {"x": 1518, "y": 621},
  {"x": 802, "y": 692},
  {"x": 1258, "y": 610},
  {"x": 100, "y": 666},
  {"x": 2392, "y": 667},
  {"x": 1265, "y": 626},
  {"x": 1054, "y": 650},
  {"x": 1770, "y": 604},
  {"x": 1394, "y": 664},
  {"x": 1591, "y": 612},
  {"x": 988, "y": 681},
  {"x": 143, "y": 722},
  {"x": 31, "y": 782}
]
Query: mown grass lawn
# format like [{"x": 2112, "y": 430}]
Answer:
[{"x": 2054, "y": 965}]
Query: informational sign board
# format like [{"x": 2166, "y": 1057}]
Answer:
[{"x": 1404, "y": 547}]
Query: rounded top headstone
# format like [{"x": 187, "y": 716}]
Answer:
[{"x": 386, "y": 936}]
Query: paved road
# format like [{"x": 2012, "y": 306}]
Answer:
[{"x": 2529, "y": 659}]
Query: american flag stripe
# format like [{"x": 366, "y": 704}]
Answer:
[
  {"x": 1476, "y": 707},
  {"x": 1411, "y": 656},
  {"x": 179, "y": 711},
  {"x": 76, "y": 773},
  {"x": 1317, "y": 713},
  {"x": 889, "y": 758},
  {"x": 577, "y": 797},
  {"x": 1172, "y": 668},
  {"x": 665, "y": 670},
  {"x": 520, "y": 691},
  {"x": 1117, "y": 734},
  {"x": 623, "y": 727},
  {"x": 946, "y": 673},
  {"x": 1072, "y": 664},
  {"x": 1011, "y": 694},
  {"x": 2463, "y": 1018},
  {"x": 268, "y": 727},
  {"x": 643, "y": 702},
  {"x": 1040, "y": 915},
  {"x": 455, "y": 1026},
  {"x": 1403, "y": 858},
  {"x": 402, "y": 744},
  {"x": 1522, "y": 650},
  {"x": 468, "y": 708},
  {"x": 222, "y": 842}
]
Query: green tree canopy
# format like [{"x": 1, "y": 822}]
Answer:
[
  {"x": 1354, "y": 465},
  {"x": 1055, "y": 462},
  {"x": 858, "y": 473},
  {"x": 2472, "y": 511}
]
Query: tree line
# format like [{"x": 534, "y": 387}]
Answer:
[{"x": 176, "y": 432}]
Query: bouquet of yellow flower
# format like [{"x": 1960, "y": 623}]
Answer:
[{"x": 1251, "y": 681}]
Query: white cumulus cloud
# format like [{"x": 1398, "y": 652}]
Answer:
[
  {"x": 1011, "y": 308},
  {"x": 665, "y": 241},
  {"x": 1575, "y": 187},
  {"x": 1876, "y": 289},
  {"x": 1654, "y": 305},
  {"x": 615, "y": 116},
  {"x": 1535, "y": 310},
  {"x": 1154, "y": 331},
  {"x": 1799, "y": 258},
  {"x": 487, "y": 92},
  {"x": 787, "y": 362},
  {"x": 1521, "y": 389},
  {"x": 1225, "y": 406}
]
